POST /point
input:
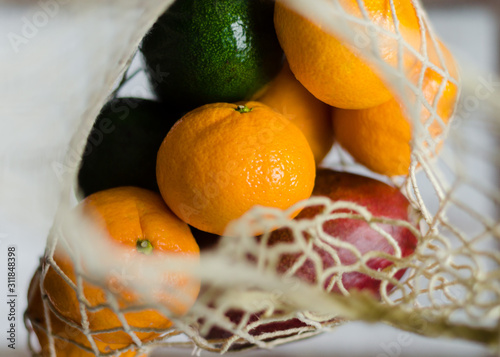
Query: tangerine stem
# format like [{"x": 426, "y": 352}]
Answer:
[
  {"x": 243, "y": 109},
  {"x": 144, "y": 246}
]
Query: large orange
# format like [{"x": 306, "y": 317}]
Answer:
[
  {"x": 286, "y": 95},
  {"x": 67, "y": 339},
  {"x": 137, "y": 220},
  {"x": 379, "y": 137},
  {"x": 221, "y": 159},
  {"x": 334, "y": 71}
]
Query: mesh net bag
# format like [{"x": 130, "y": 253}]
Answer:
[{"x": 450, "y": 286}]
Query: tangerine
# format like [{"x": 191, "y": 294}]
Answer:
[
  {"x": 68, "y": 340},
  {"x": 379, "y": 137},
  {"x": 336, "y": 72},
  {"x": 287, "y": 96},
  {"x": 139, "y": 221},
  {"x": 221, "y": 159}
]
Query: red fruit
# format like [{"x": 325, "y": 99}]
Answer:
[
  {"x": 381, "y": 200},
  {"x": 272, "y": 330},
  {"x": 235, "y": 317}
]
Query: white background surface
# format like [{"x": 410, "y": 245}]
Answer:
[{"x": 27, "y": 180}]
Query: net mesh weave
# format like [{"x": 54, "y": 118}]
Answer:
[{"x": 451, "y": 287}]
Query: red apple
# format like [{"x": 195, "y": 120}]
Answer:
[
  {"x": 235, "y": 317},
  {"x": 381, "y": 200},
  {"x": 275, "y": 330}
]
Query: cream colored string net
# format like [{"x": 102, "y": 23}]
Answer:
[{"x": 451, "y": 285}]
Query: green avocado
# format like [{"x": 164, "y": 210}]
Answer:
[
  {"x": 206, "y": 51},
  {"x": 122, "y": 146}
]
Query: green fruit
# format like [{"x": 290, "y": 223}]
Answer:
[
  {"x": 206, "y": 51},
  {"x": 122, "y": 146}
]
